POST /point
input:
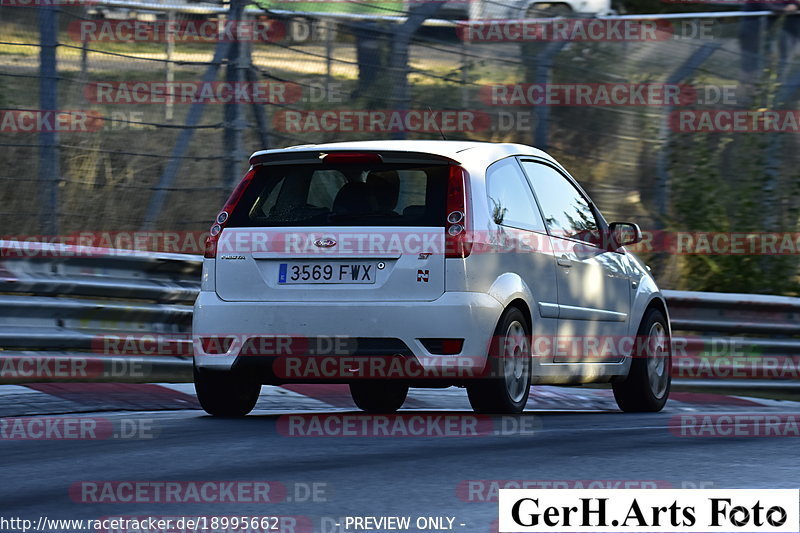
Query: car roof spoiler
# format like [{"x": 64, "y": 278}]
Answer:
[{"x": 315, "y": 155}]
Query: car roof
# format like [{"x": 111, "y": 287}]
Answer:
[{"x": 460, "y": 151}]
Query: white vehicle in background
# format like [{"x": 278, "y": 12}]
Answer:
[
  {"x": 526, "y": 9},
  {"x": 519, "y": 261},
  {"x": 139, "y": 10}
]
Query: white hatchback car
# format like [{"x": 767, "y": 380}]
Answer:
[{"x": 389, "y": 264}]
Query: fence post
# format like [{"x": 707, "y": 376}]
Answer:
[
  {"x": 663, "y": 182},
  {"x": 182, "y": 144},
  {"x": 398, "y": 73},
  {"x": 398, "y": 64},
  {"x": 170, "y": 66},
  {"x": 262, "y": 124},
  {"x": 329, "y": 26},
  {"x": 49, "y": 168},
  {"x": 774, "y": 151},
  {"x": 465, "y": 64},
  {"x": 234, "y": 115},
  {"x": 84, "y": 75},
  {"x": 544, "y": 67}
]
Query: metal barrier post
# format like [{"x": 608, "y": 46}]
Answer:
[{"x": 49, "y": 168}]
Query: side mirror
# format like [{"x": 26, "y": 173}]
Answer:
[{"x": 624, "y": 234}]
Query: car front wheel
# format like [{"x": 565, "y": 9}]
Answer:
[{"x": 646, "y": 388}]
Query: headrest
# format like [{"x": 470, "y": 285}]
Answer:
[
  {"x": 355, "y": 198},
  {"x": 386, "y": 187}
]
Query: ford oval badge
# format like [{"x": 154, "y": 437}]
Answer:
[{"x": 327, "y": 242}]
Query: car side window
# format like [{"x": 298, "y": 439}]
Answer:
[
  {"x": 511, "y": 201},
  {"x": 566, "y": 211}
]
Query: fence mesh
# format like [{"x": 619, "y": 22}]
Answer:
[{"x": 316, "y": 78}]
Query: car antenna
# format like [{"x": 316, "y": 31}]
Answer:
[{"x": 437, "y": 126}]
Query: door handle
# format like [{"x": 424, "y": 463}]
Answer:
[{"x": 564, "y": 261}]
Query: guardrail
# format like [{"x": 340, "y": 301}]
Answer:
[
  {"x": 58, "y": 300},
  {"x": 745, "y": 340},
  {"x": 61, "y": 304}
]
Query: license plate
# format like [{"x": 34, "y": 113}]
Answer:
[{"x": 290, "y": 273}]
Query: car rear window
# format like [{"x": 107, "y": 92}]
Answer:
[{"x": 344, "y": 195}]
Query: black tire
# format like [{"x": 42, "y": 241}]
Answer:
[
  {"x": 498, "y": 392},
  {"x": 646, "y": 388},
  {"x": 380, "y": 397},
  {"x": 225, "y": 394}
]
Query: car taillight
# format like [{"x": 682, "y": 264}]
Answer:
[
  {"x": 224, "y": 216},
  {"x": 459, "y": 221}
]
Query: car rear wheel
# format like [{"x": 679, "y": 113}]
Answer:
[
  {"x": 379, "y": 396},
  {"x": 646, "y": 388},
  {"x": 505, "y": 390},
  {"x": 224, "y": 393}
]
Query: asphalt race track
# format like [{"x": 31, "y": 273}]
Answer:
[{"x": 324, "y": 462}]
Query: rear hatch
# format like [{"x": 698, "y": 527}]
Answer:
[{"x": 337, "y": 227}]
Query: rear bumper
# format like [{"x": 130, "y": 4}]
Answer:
[{"x": 467, "y": 315}]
